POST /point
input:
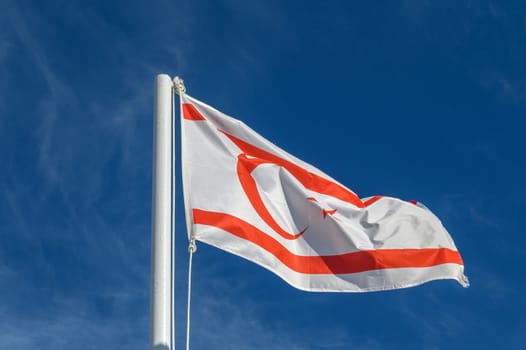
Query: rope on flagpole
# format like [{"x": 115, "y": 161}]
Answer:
[
  {"x": 180, "y": 89},
  {"x": 191, "y": 249}
]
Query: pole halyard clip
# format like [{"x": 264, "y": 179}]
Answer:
[
  {"x": 179, "y": 87},
  {"x": 192, "y": 247}
]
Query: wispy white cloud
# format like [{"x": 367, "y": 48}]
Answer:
[
  {"x": 59, "y": 97},
  {"x": 486, "y": 62},
  {"x": 435, "y": 328},
  {"x": 71, "y": 324},
  {"x": 5, "y": 270},
  {"x": 493, "y": 285}
]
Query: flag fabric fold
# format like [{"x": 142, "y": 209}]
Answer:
[{"x": 247, "y": 196}]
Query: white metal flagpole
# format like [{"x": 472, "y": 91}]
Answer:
[{"x": 161, "y": 215}]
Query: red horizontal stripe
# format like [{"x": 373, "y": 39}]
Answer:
[
  {"x": 332, "y": 264},
  {"x": 310, "y": 180},
  {"x": 191, "y": 113},
  {"x": 371, "y": 200}
]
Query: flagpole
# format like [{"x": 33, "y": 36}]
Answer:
[{"x": 161, "y": 215}]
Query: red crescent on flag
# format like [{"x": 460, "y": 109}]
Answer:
[
  {"x": 245, "y": 166},
  {"x": 253, "y": 156}
]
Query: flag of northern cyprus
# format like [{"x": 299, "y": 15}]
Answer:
[{"x": 247, "y": 196}]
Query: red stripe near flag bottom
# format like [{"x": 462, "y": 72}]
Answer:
[{"x": 331, "y": 264}]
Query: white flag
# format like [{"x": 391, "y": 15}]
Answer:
[{"x": 247, "y": 196}]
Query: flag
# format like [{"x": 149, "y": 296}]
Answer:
[{"x": 247, "y": 196}]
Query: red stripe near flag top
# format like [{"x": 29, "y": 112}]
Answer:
[
  {"x": 191, "y": 113},
  {"x": 371, "y": 200},
  {"x": 332, "y": 264},
  {"x": 310, "y": 180}
]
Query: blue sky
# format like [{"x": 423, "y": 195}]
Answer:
[{"x": 418, "y": 100}]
